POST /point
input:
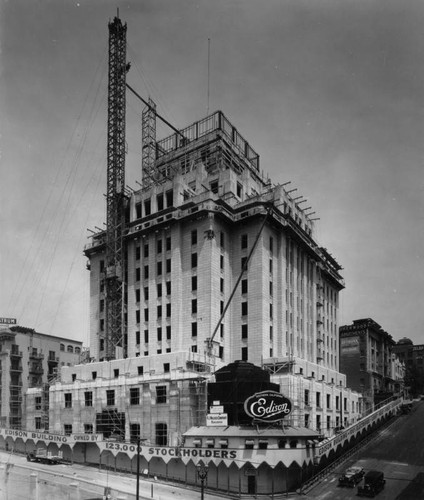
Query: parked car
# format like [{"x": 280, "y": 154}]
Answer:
[
  {"x": 373, "y": 483},
  {"x": 351, "y": 477}
]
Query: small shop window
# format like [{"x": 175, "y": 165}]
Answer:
[
  {"x": 249, "y": 444},
  {"x": 263, "y": 444},
  {"x": 197, "y": 443},
  {"x": 223, "y": 443},
  {"x": 210, "y": 443}
]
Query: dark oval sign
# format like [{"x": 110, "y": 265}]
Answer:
[{"x": 267, "y": 406}]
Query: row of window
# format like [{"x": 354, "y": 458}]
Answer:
[
  {"x": 70, "y": 348},
  {"x": 161, "y": 396}
]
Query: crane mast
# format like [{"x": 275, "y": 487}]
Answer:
[{"x": 115, "y": 197}]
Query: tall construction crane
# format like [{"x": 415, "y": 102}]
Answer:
[{"x": 115, "y": 327}]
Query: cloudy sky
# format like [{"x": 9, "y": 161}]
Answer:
[{"x": 330, "y": 93}]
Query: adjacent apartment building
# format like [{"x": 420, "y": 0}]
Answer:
[
  {"x": 30, "y": 359},
  {"x": 368, "y": 359}
]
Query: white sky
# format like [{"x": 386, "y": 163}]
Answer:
[{"x": 329, "y": 93}]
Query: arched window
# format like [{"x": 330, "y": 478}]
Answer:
[{"x": 70, "y": 348}]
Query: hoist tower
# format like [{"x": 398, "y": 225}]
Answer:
[{"x": 115, "y": 196}]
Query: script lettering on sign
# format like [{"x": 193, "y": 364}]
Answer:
[{"x": 267, "y": 406}]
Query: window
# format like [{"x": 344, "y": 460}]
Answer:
[
  {"x": 244, "y": 353},
  {"x": 67, "y": 429},
  {"x": 94, "y": 375},
  {"x": 262, "y": 444},
  {"x": 168, "y": 310},
  {"x": 137, "y": 317},
  {"x": 168, "y": 243},
  {"x": 137, "y": 338},
  {"x": 146, "y": 272},
  {"x": 194, "y": 237},
  {"x": 140, "y": 370},
  {"x": 137, "y": 274},
  {"x": 168, "y": 332},
  {"x": 244, "y": 241},
  {"x": 146, "y": 336},
  {"x": 116, "y": 372},
  {"x": 193, "y": 283},
  {"x": 161, "y": 394},
  {"x": 270, "y": 311},
  {"x": 159, "y": 331},
  {"x": 159, "y": 246},
  {"x": 166, "y": 367},
  {"x": 88, "y": 398},
  {"x": 194, "y": 306},
  {"x": 194, "y": 348},
  {"x": 134, "y": 433},
  {"x": 307, "y": 397},
  {"x": 159, "y": 311},
  {"x": 169, "y": 198},
  {"x": 159, "y": 201},
  {"x": 221, "y": 285},
  {"x": 244, "y": 330},
  {"x": 270, "y": 288},
  {"x": 249, "y": 444},
  {"x": 110, "y": 397},
  {"x": 194, "y": 329},
  {"x": 134, "y": 395},
  {"x": 168, "y": 288},
  {"x": 168, "y": 266},
  {"x": 214, "y": 187},
  {"x": 243, "y": 286},
  {"x": 146, "y": 293},
  {"x": 221, "y": 306},
  {"x": 102, "y": 325},
  {"x": 70, "y": 348},
  {"x": 137, "y": 295},
  {"x": 147, "y": 207},
  {"x": 161, "y": 434},
  {"x": 239, "y": 190},
  {"x": 221, "y": 262},
  {"x": 38, "y": 423},
  {"x": 62, "y": 347},
  {"x": 244, "y": 308},
  {"x": 222, "y": 239},
  {"x": 146, "y": 315},
  {"x": 159, "y": 290},
  {"x": 328, "y": 401},
  {"x": 88, "y": 428},
  {"x": 159, "y": 268},
  {"x": 68, "y": 400},
  {"x": 137, "y": 253},
  {"x": 244, "y": 263},
  {"x": 318, "y": 400},
  {"x": 146, "y": 250},
  {"x": 194, "y": 260}
]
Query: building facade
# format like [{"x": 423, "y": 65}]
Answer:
[
  {"x": 214, "y": 236},
  {"x": 366, "y": 357},
  {"x": 30, "y": 359},
  {"x": 412, "y": 358}
]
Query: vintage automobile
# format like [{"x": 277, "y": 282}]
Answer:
[
  {"x": 351, "y": 477},
  {"x": 373, "y": 483}
]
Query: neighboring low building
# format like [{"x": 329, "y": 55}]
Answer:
[
  {"x": 366, "y": 359},
  {"x": 30, "y": 359},
  {"x": 412, "y": 357}
]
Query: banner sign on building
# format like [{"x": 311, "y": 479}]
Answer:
[
  {"x": 8, "y": 321},
  {"x": 267, "y": 406},
  {"x": 349, "y": 345},
  {"x": 51, "y": 438},
  {"x": 217, "y": 420}
]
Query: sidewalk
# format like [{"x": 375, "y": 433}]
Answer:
[{"x": 79, "y": 482}]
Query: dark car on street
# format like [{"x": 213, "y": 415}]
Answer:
[
  {"x": 351, "y": 477},
  {"x": 373, "y": 483}
]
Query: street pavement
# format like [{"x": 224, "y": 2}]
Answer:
[
  {"x": 59, "y": 482},
  {"x": 397, "y": 450}
]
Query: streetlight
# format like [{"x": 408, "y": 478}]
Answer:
[{"x": 202, "y": 472}]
